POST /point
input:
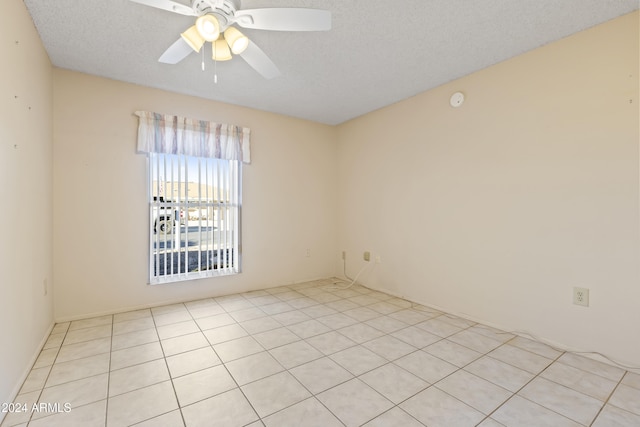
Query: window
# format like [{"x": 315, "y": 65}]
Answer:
[
  {"x": 195, "y": 171},
  {"x": 194, "y": 217}
]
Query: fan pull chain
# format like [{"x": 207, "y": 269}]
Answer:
[{"x": 215, "y": 63}]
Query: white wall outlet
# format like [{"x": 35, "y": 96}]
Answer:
[
  {"x": 581, "y": 296},
  {"x": 367, "y": 256},
  {"x": 307, "y": 253}
]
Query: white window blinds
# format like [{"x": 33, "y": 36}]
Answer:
[{"x": 194, "y": 213}]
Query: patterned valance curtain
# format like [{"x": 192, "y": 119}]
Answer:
[{"x": 161, "y": 133}]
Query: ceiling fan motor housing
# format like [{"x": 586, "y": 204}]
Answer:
[{"x": 223, "y": 10}]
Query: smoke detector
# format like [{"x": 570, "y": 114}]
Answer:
[{"x": 456, "y": 99}]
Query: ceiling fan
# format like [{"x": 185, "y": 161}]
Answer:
[{"x": 215, "y": 24}]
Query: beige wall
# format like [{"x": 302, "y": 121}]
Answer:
[
  {"x": 496, "y": 209},
  {"x": 26, "y": 313},
  {"x": 100, "y": 208}
]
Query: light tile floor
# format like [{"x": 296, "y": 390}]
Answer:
[{"x": 312, "y": 354}]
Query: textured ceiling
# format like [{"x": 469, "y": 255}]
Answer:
[{"x": 377, "y": 53}]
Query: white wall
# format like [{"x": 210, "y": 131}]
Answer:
[
  {"x": 26, "y": 313},
  {"x": 100, "y": 208},
  {"x": 496, "y": 209}
]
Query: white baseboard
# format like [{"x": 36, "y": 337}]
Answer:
[
  {"x": 63, "y": 319},
  {"x": 559, "y": 346}
]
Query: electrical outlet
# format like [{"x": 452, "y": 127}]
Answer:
[
  {"x": 378, "y": 260},
  {"x": 344, "y": 255},
  {"x": 367, "y": 256},
  {"x": 581, "y": 296},
  {"x": 308, "y": 253}
]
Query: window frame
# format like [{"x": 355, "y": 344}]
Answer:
[{"x": 220, "y": 261}]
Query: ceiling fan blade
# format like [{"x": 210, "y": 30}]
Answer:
[
  {"x": 176, "y": 52},
  {"x": 260, "y": 61},
  {"x": 284, "y": 19},
  {"x": 169, "y": 5}
]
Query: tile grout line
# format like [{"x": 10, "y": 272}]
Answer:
[
  {"x": 312, "y": 395},
  {"x": 384, "y": 334},
  {"x": 59, "y": 348},
  {"x": 223, "y": 363},
  {"x": 458, "y": 367},
  {"x": 106, "y": 406},
  {"x": 330, "y": 304},
  {"x": 609, "y": 398},
  {"x": 49, "y": 373},
  {"x": 164, "y": 357},
  {"x": 328, "y": 356},
  {"x": 388, "y": 362},
  {"x": 516, "y": 393}
]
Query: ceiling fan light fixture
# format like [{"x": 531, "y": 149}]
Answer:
[
  {"x": 221, "y": 50},
  {"x": 193, "y": 38},
  {"x": 208, "y": 27},
  {"x": 237, "y": 41}
]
